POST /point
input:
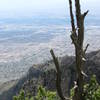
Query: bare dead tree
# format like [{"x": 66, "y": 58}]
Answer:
[
  {"x": 77, "y": 37},
  {"x": 58, "y": 76}
]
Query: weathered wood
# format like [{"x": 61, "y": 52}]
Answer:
[
  {"x": 85, "y": 13},
  {"x": 58, "y": 77},
  {"x": 86, "y": 48},
  {"x": 72, "y": 18},
  {"x": 78, "y": 39}
]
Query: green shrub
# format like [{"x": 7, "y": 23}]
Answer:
[
  {"x": 91, "y": 90},
  {"x": 45, "y": 95},
  {"x": 41, "y": 95}
]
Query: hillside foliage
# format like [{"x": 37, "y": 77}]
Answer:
[
  {"x": 91, "y": 92},
  {"x": 42, "y": 94}
]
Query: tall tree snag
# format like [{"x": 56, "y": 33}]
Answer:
[{"x": 78, "y": 39}]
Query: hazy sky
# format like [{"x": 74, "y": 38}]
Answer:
[{"x": 24, "y": 7}]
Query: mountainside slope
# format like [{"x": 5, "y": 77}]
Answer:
[{"x": 45, "y": 74}]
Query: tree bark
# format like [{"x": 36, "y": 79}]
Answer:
[
  {"x": 78, "y": 39},
  {"x": 58, "y": 78}
]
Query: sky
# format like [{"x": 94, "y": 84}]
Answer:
[{"x": 28, "y": 7}]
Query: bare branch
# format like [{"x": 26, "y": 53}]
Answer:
[
  {"x": 58, "y": 73},
  {"x": 86, "y": 48},
  {"x": 78, "y": 12},
  {"x": 74, "y": 39},
  {"x": 84, "y": 74},
  {"x": 75, "y": 85},
  {"x": 72, "y": 18},
  {"x": 83, "y": 59},
  {"x": 85, "y": 13},
  {"x": 55, "y": 61}
]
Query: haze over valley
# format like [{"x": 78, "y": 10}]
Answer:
[{"x": 27, "y": 33}]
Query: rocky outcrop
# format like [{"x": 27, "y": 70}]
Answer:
[{"x": 45, "y": 74}]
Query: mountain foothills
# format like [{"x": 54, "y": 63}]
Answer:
[{"x": 44, "y": 74}]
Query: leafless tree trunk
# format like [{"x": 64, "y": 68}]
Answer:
[{"x": 77, "y": 37}]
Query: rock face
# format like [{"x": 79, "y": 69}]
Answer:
[{"x": 45, "y": 74}]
